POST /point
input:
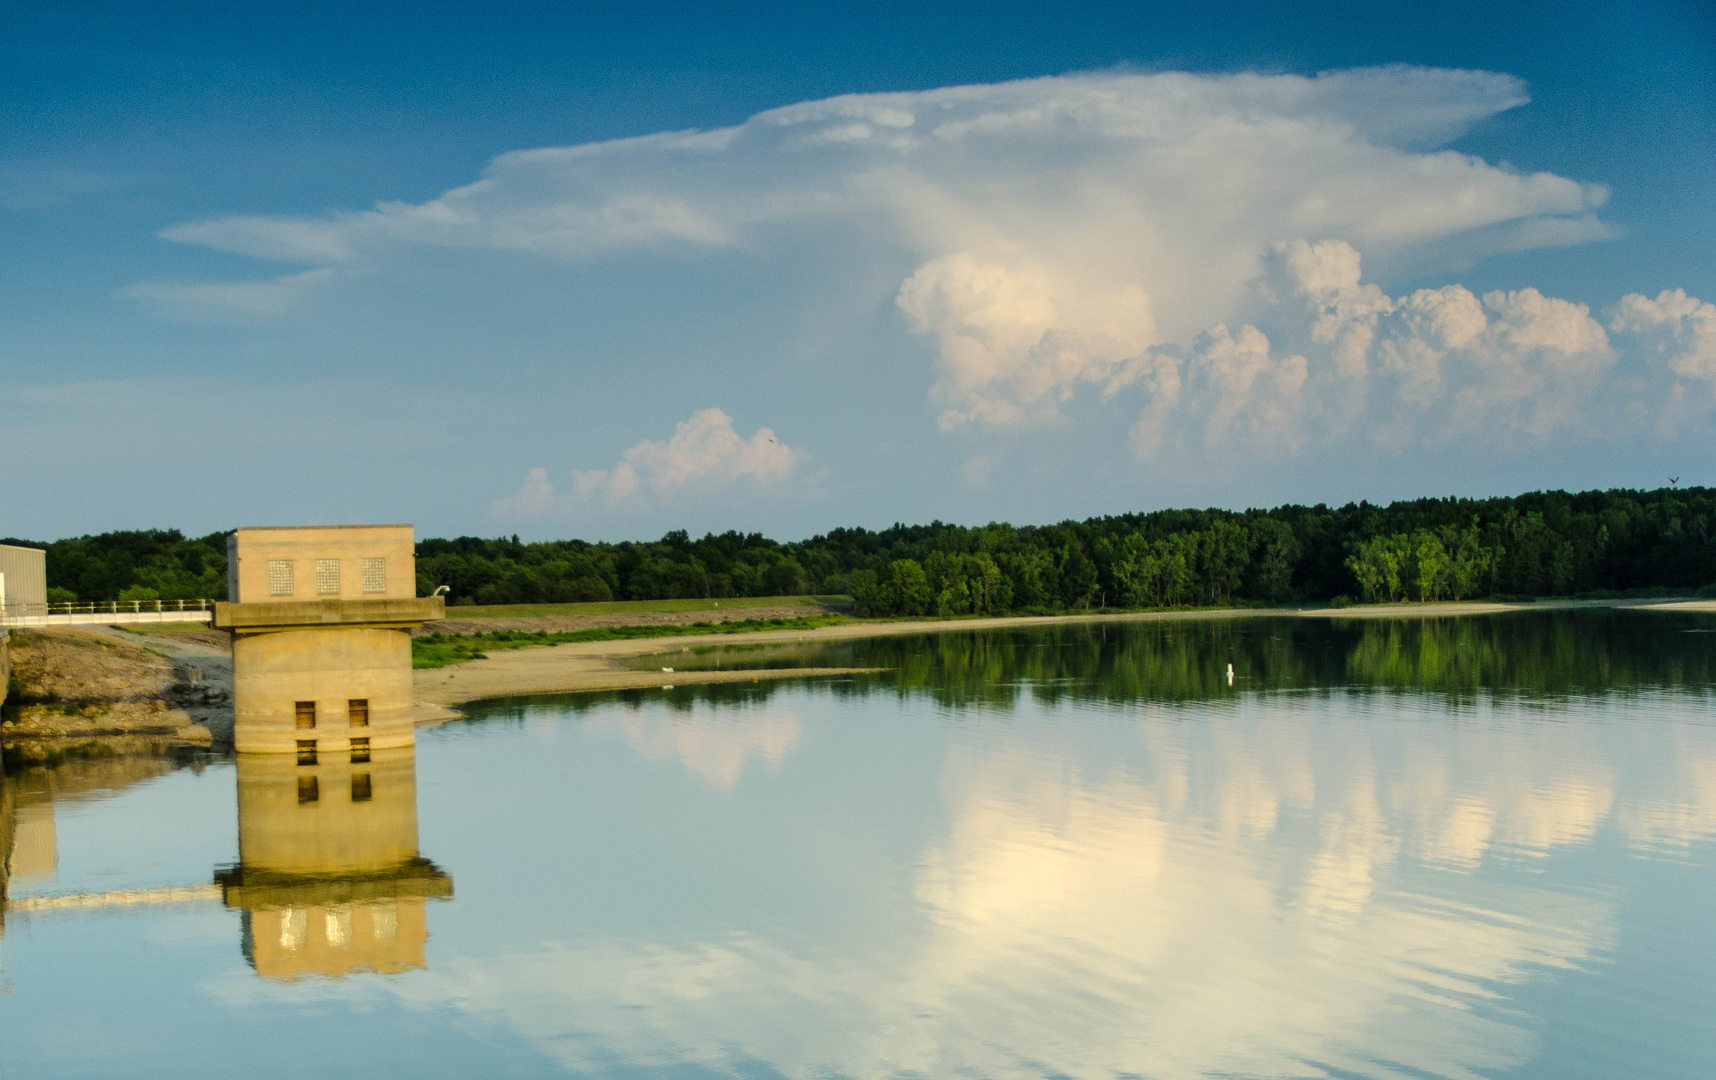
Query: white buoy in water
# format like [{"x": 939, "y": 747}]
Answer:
[{"x": 1230, "y": 674}]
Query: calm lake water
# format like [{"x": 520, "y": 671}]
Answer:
[{"x": 1469, "y": 848}]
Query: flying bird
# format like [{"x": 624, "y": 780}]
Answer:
[{"x": 1673, "y": 481}]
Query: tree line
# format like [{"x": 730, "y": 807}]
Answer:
[{"x": 1539, "y": 544}]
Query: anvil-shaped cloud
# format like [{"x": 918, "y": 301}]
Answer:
[{"x": 1192, "y": 240}]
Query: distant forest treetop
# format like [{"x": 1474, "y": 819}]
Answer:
[{"x": 1539, "y": 544}]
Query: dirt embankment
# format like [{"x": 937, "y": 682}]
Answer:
[
  {"x": 219, "y": 640},
  {"x": 559, "y": 624},
  {"x": 82, "y": 683}
]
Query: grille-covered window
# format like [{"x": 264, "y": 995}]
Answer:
[
  {"x": 375, "y": 575},
  {"x": 280, "y": 577},
  {"x": 327, "y": 577}
]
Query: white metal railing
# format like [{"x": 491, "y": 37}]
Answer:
[{"x": 105, "y": 612}]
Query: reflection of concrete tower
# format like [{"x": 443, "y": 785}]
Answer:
[
  {"x": 328, "y": 877},
  {"x": 321, "y": 652}
]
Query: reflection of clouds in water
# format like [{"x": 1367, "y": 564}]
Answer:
[
  {"x": 1089, "y": 928},
  {"x": 713, "y": 743},
  {"x": 1279, "y": 888},
  {"x": 1684, "y": 810}
]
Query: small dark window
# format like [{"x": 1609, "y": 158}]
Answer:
[
  {"x": 360, "y": 751},
  {"x": 306, "y": 714},
  {"x": 358, "y": 707},
  {"x": 360, "y": 787},
  {"x": 306, "y": 751},
  {"x": 308, "y": 789}
]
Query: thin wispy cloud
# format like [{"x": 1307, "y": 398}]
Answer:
[
  {"x": 35, "y": 186},
  {"x": 228, "y": 302}
]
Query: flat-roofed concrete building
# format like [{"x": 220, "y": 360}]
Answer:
[
  {"x": 316, "y": 562},
  {"x": 23, "y": 580},
  {"x": 321, "y": 654}
]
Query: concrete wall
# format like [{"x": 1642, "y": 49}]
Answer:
[
  {"x": 272, "y": 672},
  {"x": 26, "y": 574},
  {"x": 250, "y": 551}
]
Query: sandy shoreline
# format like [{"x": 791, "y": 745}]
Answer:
[{"x": 592, "y": 665}]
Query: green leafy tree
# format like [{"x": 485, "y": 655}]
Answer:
[
  {"x": 1376, "y": 565},
  {"x": 1278, "y": 550}
]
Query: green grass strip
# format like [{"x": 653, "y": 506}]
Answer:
[
  {"x": 627, "y": 607},
  {"x": 440, "y": 650}
]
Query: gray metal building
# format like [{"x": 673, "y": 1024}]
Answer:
[{"x": 23, "y": 579}]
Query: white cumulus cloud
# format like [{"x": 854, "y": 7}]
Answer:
[
  {"x": 1016, "y": 340},
  {"x": 1679, "y": 329},
  {"x": 705, "y": 455},
  {"x": 1332, "y": 356}
]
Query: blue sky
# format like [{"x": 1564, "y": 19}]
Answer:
[{"x": 854, "y": 265}]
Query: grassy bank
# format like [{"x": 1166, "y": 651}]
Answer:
[
  {"x": 624, "y": 607},
  {"x": 440, "y": 650}
]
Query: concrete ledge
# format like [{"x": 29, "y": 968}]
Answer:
[{"x": 256, "y": 618}]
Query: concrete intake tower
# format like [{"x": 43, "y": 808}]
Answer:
[{"x": 321, "y": 652}]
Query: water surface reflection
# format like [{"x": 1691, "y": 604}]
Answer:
[
  {"x": 329, "y": 879},
  {"x": 1276, "y": 886},
  {"x": 1538, "y": 654},
  {"x": 1051, "y": 853}
]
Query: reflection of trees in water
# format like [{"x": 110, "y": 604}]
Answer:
[
  {"x": 1534, "y": 654},
  {"x": 1547, "y": 653}
]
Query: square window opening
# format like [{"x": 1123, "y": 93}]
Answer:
[
  {"x": 306, "y": 713},
  {"x": 360, "y": 787},
  {"x": 360, "y": 751},
  {"x": 308, "y": 790},
  {"x": 280, "y": 577},
  {"x": 306, "y": 751},
  {"x": 358, "y": 709}
]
